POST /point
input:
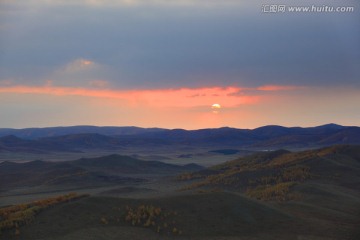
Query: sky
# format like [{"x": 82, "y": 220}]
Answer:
[{"x": 178, "y": 63}]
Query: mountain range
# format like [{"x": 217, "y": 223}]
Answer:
[{"x": 80, "y": 138}]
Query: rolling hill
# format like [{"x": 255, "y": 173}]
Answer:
[
  {"x": 272, "y": 175},
  {"x": 112, "y": 169},
  {"x": 311, "y": 194}
]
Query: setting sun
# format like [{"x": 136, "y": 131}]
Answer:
[{"x": 216, "y": 106}]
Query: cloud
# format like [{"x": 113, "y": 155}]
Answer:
[
  {"x": 169, "y": 44},
  {"x": 79, "y": 65},
  {"x": 158, "y": 98},
  {"x": 278, "y": 88},
  {"x": 268, "y": 89},
  {"x": 80, "y": 72}
]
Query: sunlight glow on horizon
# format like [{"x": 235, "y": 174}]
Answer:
[
  {"x": 188, "y": 108},
  {"x": 182, "y": 97}
]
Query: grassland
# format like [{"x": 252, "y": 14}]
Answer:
[
  {"x": 216, "y": 215},
  {"x": 272, "y": 195}
]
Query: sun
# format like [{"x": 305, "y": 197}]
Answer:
[{"x": 216, "y": 106}]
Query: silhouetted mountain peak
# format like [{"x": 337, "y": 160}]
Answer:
[
  {"x": 271, "y": 131},
  {"x": 332, "y": 126}
]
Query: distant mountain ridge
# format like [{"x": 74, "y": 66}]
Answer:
[
  {"x": 35, "y": 133},
  {"x": 116, "y": 138}
]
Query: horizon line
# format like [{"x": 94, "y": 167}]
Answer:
[{"x": 187, "y": 129}]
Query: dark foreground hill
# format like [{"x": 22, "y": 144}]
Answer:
[
  {"x": 75, "y": 139},
  {"x": 200, "y": 216},
  {"x": 112, "y": 169}
]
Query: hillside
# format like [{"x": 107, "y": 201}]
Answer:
[
  {"x": 201, "y": 216},
  {"x": 280, "y": 195},
  {"x": 198, "y": 216},
  {"x": 272, "y": 175}
]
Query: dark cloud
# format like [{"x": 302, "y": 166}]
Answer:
[{"x": 168, "y": 46}]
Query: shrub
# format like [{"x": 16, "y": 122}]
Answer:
[
  {"x": 16, "y": 216},
  {"x": 278, "y": 192},
  {"x": 152, "y": 217}
]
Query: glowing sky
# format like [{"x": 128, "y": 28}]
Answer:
[{"x": 158, "y": 63}]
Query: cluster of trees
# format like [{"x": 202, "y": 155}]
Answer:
[
  {"x": 295, "y": 173},
  {"x": 153, "y": 217},
  {"x": 277, "y": 186},
  {"x": 190, "y": 176},
  {"x": 278, "y": 192},
  {"x": 264, "y": 184},
  {"x": 13, "y": 217}
]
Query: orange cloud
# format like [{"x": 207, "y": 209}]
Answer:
[
  {"x": 278, "y": 88},
  {"x": 183, "y": 97}
]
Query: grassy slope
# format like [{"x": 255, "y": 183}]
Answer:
[
  {"x": 338, "y": 165},
  {"x": 218, "y": 215},
  {"x": 200, "y": 215}
]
